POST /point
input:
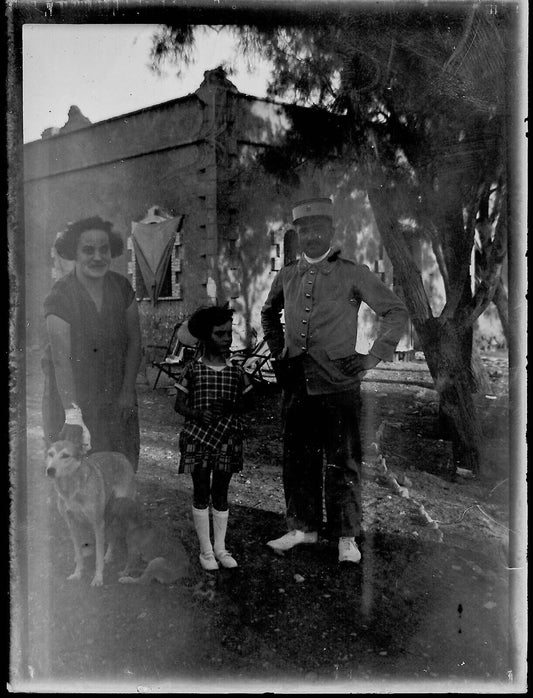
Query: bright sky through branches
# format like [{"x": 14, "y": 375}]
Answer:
[{"x": 104, "y": 70}]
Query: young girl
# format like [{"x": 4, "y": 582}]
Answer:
[{"x": 210, "y": 396}]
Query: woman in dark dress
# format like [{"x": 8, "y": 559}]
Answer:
[{"x": 94, "y": 349}]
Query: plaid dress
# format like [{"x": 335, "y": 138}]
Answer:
[{"x": 219, "y": 445}]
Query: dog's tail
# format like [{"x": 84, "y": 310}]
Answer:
[{"x": 161, "y": 570}]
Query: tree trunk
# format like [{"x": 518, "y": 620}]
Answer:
[
  {"x": 444, "y": 341},
  {"x": 501, "y": 302}
]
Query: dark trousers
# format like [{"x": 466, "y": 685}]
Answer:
[{"x": 317, "y": 427}]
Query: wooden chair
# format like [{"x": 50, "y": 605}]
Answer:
[
  {"x": 177, "y": 354},
  {"x": 256, "y": 362}
]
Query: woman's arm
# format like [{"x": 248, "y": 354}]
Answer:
[
  {"x": 127, "y": 398},
  {"x": 59, "y": 336}
]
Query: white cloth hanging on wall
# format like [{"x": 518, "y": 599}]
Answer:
[{"x": 153, "y": 244}]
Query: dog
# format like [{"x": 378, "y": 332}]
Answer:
[
  {"x": 164, "y": 555},
  {"x": 85, "y": 484}
]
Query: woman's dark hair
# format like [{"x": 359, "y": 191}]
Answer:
[
  {"x": 203, "y": 320},
  {"x": 67, "y": 240}
]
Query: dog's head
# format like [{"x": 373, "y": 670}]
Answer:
[{"x": 62, "y": 459}]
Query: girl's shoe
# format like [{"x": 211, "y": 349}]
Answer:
[
  {"x": 225, "y": 559},
  {"x": 208, "y": 562}
]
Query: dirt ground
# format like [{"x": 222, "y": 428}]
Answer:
[{"x": 427, "y": 607}]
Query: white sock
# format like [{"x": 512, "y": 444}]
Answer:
[
  {"x": 201, "y": 524},
  {"x": 220, "y": 524}
]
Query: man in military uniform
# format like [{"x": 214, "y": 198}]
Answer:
[{"x": 320, "y": 373}]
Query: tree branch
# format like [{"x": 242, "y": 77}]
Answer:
[
  {"x": 491, "y": 274},
  {"x": 458, "y": 240},
  {"x": 441, "y": 262}
]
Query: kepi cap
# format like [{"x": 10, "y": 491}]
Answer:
[{"x": 312, "y": 207}]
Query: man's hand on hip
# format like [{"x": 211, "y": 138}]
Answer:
[{"x": 358, "y": 363}]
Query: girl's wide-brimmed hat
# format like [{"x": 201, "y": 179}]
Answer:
[
  {"x": 202, "y": 321},
  {"x": 185, "y": 336},
  {"x": 312, "y": 207}
]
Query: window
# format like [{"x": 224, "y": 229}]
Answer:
[
  {"x": 283, "y": 246},
  {"x": 171, "y": 288}
]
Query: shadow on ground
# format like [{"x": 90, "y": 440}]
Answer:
[
  {"x": 298, "y": 616},
  {"x": 414, "y": 609}
]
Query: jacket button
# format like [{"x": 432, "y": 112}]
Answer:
[
  {"x": 304, "y": 322},
  {"x": 308, "y": 295},
  {"x": 311, "y": 271},
  {"x": 302, "y": 334},
  {"x": 308, "y": 310},
  {"x": 303, "y": 348}
]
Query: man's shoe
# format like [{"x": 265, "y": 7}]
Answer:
[
  {"x": 348, "y": 550},
  {"x": 292, "y": 538}
]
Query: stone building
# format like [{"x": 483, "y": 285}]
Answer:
[{"x": 191, "y": 164}]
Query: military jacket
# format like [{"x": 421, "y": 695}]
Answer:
[{"x": 321, "y": 303}]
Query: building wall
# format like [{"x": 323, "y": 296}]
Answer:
[
  {"x": 119, "y": 169},
  {"x": 195, "y": 156}
]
